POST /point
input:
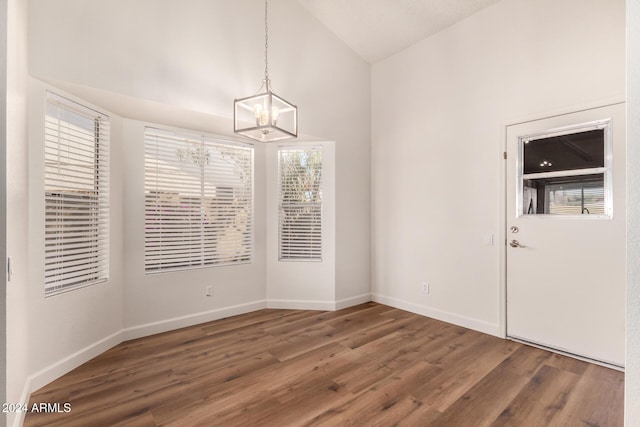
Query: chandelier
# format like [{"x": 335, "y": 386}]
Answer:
[{"x": 265, "y": 116}]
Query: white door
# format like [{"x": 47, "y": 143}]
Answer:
[{"x": 566, "y": 233}]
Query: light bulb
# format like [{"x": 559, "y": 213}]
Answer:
[{"x": 258, "y": 113}]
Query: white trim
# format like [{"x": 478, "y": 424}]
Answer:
[
  {"x": 502, "y": 236},
  {"x": 18, "y": 417},
  {"x": 66, "y": 365},
  {"x": 166, "y": 325},
  {"x": 445, "y": 316},
  {"x": 60, "y": 368},
  {"x": 351, "y": 301},
  {"x": 290, "y": 304},
  {"x": 562, "y": 174},
  {"x": 301, "y": 304}
]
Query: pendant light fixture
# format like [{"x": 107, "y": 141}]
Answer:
[{"x": 265, "y": 116}]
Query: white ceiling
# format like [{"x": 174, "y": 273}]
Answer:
[{"x": 376, "y": 29}]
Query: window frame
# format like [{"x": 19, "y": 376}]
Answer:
[
  {"x": 319, "y": 205},
  {"x": 606, "y": 126},
  {"x": 87, "y": 249},
  {"x": 184, "y": 135}
]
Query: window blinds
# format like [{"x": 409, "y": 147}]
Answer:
[
  {"x": 576, "y": 198},
  {"x": 198, "y": 201},
  {"x": 76, "y": 168},
  {"x": 300, "y": 220}
]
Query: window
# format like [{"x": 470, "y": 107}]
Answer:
[
  {"x": 567, "y": 172},
  {"x": 76, "y": 173},
  {"x": 576, "y": 197},
  {"x": 300, "y": 221},
  {"x": 198, "y": 201}
]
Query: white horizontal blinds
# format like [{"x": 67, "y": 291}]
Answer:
[
  {"x": 576, "y": 198},
  {"x": 198, "y": 201},
  {"x": 300, "y": 221},
  {"x": 76, "y": 167}
]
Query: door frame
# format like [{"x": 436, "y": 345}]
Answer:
[{"x": 502, "y": 230}]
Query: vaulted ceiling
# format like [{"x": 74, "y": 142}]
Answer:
[{"x": 376, "y": 29}]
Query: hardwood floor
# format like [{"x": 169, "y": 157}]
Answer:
[{"x": 367, "y": 365}]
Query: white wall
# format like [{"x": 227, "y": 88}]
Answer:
[
  {"x": 17, "y": 314},
  {"x": 632, "y": 365},
  {"x": 164, "y": 301},
  {"x": 198, "y": 56},
  {"x": 202, "y": 56},
  {"x": 439, "y": 111},
  {"x": 301, "y": 284}
]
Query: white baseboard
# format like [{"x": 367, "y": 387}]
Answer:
[
  {"x": 301, "y": 304},
  {"x": 190, "y": 320},
  {"x": 18, "y": 417},
  {"x": 290, "y": 304},
  {"x": 467, "y": 322},
  {"x": 351, "y": 301},
  {"x": 58, "y": 369}
]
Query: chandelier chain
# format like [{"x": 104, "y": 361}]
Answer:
[{"x": 266, "y": 45}]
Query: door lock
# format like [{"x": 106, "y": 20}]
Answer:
[
  {"x": 514, "y": 229},
  {"x": 515, "y": 244}
]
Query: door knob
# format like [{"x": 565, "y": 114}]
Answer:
[{"x": 515, "y": 244}]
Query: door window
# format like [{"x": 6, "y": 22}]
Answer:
[{"x": 566, "y": 172}]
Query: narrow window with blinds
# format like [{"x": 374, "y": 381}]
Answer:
[
  {"x": 76, "y": 174},
  {"x": 300, "y": 219},
  {"x": 198, "y": 201}
]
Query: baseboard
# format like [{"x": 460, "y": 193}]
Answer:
[
  {"x": 294, "y": 304},
  {"x": 288, "y": 304},
  {"x": 18, "y": 417},
  {"x": 351, "y": 301},
  {"x": 190, "y": 320},
  {"x": 467, "y": 322},
  {"x": 58, "y": 369}
]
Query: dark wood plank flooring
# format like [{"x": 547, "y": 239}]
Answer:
[{"x": 369, "y": 365}]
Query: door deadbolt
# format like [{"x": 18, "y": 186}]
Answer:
[{"x": 514, "y": 229}]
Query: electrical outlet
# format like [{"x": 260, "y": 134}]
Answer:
[
  {"x": 209, "y": 291},
  {"x": 425, "y": 287}
]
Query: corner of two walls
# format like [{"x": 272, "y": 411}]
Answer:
[{"x": 439, "y": 112}]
